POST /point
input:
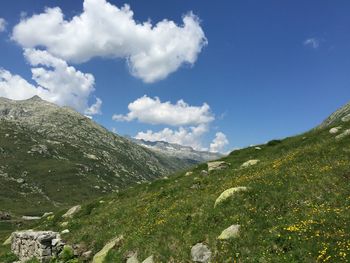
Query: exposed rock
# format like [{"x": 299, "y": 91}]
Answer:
[
  {"x": 343, "y": 134},
  {"x": 188, "y": 173},
  {"x": 47, "y": 214},
  {"x": 7, "y": 241},
  {"x": 204, "y": 173},
  {"x": 218, "y": 165},
  {"x": 5, "y": 216},
  {"x": 29, "y": 218},
  {"x": 150, "y": 259},
  {"x": 230, "y": 232},
  {"x": 64, "y": 224},
  {"x": 101, "y": 255},
  {"x": 200, "y": 253},
  {"x": 66, "y": 231},
  {"x": 228, "y": 193},
  {"x": 72, "y": 211},
  {"x": 132, "y": 258},
  {"x": 249, "y": 163},
  {"x": 20, "y": 180},
  {"x": 257, "y": 148},
  {"x": 87, "y": 255},
  {"x": 29, "y": 244},
  {"x": 334, "y": 130},
  {"x": 346, "y": 118}
]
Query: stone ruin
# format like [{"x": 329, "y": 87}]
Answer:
[{"x": 42, "y": 245}]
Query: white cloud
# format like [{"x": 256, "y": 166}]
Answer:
[
  {"x": 104, "y": 30},
  {"x": 219, "y": 142},
  {"x": 56, "y": 82},
  {"x": 312, "y": 42},
  {"x": 94, "y": 108},
  {"x": 190, "y": 136},
  {"x": 2, "y": 25},
  {"x": 153, "y": 111}
]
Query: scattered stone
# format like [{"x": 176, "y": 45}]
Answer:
[
  {"x": 72, "y": 211},
  {"x": 91, "y": 156},
  {"x": 249, "y": 163},
  {"x": 20, "y": 180},
  {"x": 257, "y": 148},
  {"x": 5, "y": 216},
  {"x": 200, "y": 253},
  {"x": 218, "y": 165},
  {"x": 101, "y": 255},
  {"x": 29, "y": 218},
  {"x": 64, "y": 224},
  {"x": 204, "y": 173},
  {"x": 29, "y": 244},
  {"x": 228, "y": 193},
  {"x": 334, "y": 130},
  {"x": 230, "y": 232},
  {"x": 150, "y": 259},
  {"x": 346, "y": 118},
  {"x": 47, "y": 214},
  {"x": 343, "y": 135},
  {"x": 188, "y": 173},
  {"x": 66, "y": 231},
  {"x": 87, "y": 254},
  {"x": 132, "y": 258}
]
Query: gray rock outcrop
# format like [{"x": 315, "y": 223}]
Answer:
[
  {"x": 230, "y": 232},
  {"x": 42, "y": 245},
  {"x": 218, "y": 165},
  {"x": 72, "y": 211},
  {"x": 200, "y": 253}
]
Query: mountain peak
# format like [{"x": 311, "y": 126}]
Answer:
[{"x": 340, "y": 115}]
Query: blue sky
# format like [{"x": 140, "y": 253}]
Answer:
[{"x": 270, "y": 69}]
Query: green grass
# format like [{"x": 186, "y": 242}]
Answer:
[{"x": 297, "y": 208}]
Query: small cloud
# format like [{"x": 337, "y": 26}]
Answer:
[
  {"x": 219, "y": 142},
  {"x": 312, "y": 42},
  {"x": 94, "y": 108},
  {"x": 3, "y": 24}
]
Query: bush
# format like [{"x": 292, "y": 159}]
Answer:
[
  {"x": 8, "y": 258},
  {"x": 273, "y": 142}
]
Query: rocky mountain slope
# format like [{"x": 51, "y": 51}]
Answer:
[
  {"x": 53, "y": 156},
  {"x": 185, "y": 153},
  {"x": 284, "y": 201}
]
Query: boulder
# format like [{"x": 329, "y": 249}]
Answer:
[
  {"x": 101, "y": 255},
  {"x": 200, "y": 253},
  {"x": 346, "y": 118},
  {"x": 5, "y": 216},
  {"x": 188, "y": 173},
  {"x": 150, "y": 259},
  {"x": 29, "y": 218},
  {"x": 228, "y": 193},
  {"x": 47, "y": 214},
  {"x": 204, "y": 172},
  {"x": 257, "y": 148},
  {"x": 66, "y": 231},
  {"x": 218, "y": 165},
  {"x": 249, "y": 163},
  {"x": 132, "y": 258},
  {"x": 334, "y": 130},
  {"x": 72, "y": 211},
  {"x": 343, "y": 135},
  {"x": 7, "y": 241},
  {"x": 230, "y": 232}
]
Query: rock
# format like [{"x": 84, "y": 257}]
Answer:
[
  {"x": 334, "y": 130},
  {"x": 343, "y": 135},
  {"x": 72, "y": 211},
  {"x": 230, "y": 232},
  {"x": 64, "y": 224},
  {"x": 87, "y": 254},
  {"x": 29, "y": 244},
  {"x": 204, "y": 173},
  {"x": 29, "y": 218},
  {"x": 5, "y": 216},
  {"x": 346, "y": 118},
  {"x": 20, "y": 180},
  {"x": 149, "y": 260},
  {"x": 218, "y": 165},
  {"x": 257, "y": 148},
  {"x": 188, "y": 173},
  {"x": 47, "y": 214},
  {"x": 66, "y": 231},
  {"x": 228, "y": 193},
  {"x": 249, "y": 163},
  {"x": 101, "y": 255},
  {"x": 200, "y": 253},
  {"x": 132, "y": 258}
]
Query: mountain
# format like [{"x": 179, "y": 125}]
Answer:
[
  {"x": 186, "y": 153},
  {"x": 342, "y": 114},
  {"x": 284, "y": 201},
  {"x": 53, "y": 156}
]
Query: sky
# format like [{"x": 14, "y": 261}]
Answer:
[{"x": 212, "y": 75}]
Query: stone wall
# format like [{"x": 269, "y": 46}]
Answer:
[{"x": 42, "y": 245}]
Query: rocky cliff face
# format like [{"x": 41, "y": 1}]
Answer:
[
  {"x": 341, "y": 115},
  {"x": 51, "y": 155},
  {"x": 185, "y": 153}
]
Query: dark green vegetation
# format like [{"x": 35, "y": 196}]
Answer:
[
  {"x": 297, "y": 208},
  {"x": 53, "y": 157}
]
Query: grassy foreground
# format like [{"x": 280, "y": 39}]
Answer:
[{"x": 297, "y": 208}]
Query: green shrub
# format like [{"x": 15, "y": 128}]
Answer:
[{"x": 8, "y": 258}]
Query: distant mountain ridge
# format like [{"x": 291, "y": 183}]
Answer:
[
  {"x": 178, "y": 151},
  {"x": 52, "y": 155}
]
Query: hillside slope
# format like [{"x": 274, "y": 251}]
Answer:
[
  {"x": 53, "y": 156},
  {"x": 296, "y": 207}
]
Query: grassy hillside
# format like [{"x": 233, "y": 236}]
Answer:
[{"x": 297, "y": 208}]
